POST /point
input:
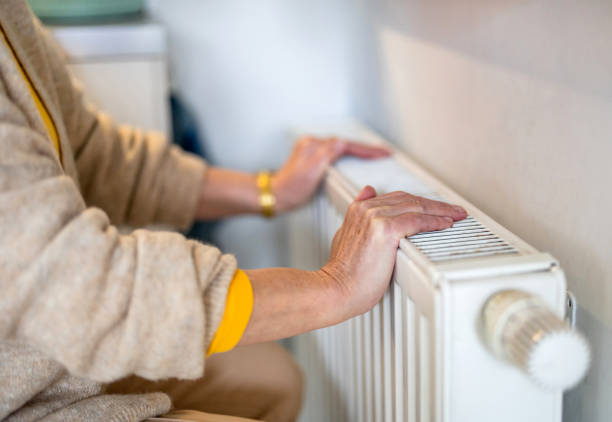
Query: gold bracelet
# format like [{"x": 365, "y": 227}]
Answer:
[{"x": 267, "y": 200}]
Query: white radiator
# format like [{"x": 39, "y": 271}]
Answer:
[{"x": 470, "y": 329}]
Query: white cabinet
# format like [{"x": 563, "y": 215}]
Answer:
[{"x": 123, "y": 69}]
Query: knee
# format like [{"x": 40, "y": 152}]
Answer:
[
  {"x": 259, "y": 381},
  {"x": 295, "y": 390},
  {"x": 288, "y": 389}
]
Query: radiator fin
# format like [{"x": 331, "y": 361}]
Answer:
[
  {"x": 468, "y": 238},
  {"x": 424, "y": 370},
  {"x": 398, "y": 341},
  {"x": 410, "y": 352}
]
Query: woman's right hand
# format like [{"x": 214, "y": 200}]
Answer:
[
  {"x": 365, "y": 247},
  {"x": 289, "y": 301}
]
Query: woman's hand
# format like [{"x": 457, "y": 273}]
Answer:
[
  {"x": 296, "y": 182},
  {"x": 228, "y": 192},
  {"x": 289, "y": 301},
  {"x": 365, "y": 247}
]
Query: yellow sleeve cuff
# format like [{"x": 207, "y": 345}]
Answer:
[{"x": 238, "y": 309}]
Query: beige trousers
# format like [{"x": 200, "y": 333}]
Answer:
[
  {"x": 195, "y": 416},
  {"x": 260, "y": 382}
]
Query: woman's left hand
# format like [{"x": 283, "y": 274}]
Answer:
[{"x": 296, "y": 182}]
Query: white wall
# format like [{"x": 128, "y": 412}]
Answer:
[
  {"x": 250, "y": 70},
  {"x": 510, "y": 102}
]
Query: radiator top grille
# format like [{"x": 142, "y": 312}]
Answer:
[{"x": 466, "y": 239}]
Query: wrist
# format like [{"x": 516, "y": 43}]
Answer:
[
  {"x": 336, "y": 294},
  {"x": 266, "y": 198},
  {"x": 276, "y": 186},
  {"x": 226, "y": 192}
]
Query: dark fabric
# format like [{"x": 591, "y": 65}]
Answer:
[{"x": 186, "y": 135}]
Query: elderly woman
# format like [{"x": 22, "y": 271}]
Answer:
[{"x": 83, "y": 306}]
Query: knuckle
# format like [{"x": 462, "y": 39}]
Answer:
[
  {"x": 371, "y": 213},
  {"x": 388, "y": 227},
  {"x": 434, "y": 223},
  {"x": 420, "y": 222},
  {"x": 306, "y": 141},
  {"x": 416, "y": 204},
  {"x": 358, "y": 207},
  {"x": 363, "y": 207},
  {"x": 381, "y": 225},
  {"x": 419, "y": 219}
]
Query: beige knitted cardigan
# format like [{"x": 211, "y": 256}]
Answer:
[{"x": 80, "y": 304}]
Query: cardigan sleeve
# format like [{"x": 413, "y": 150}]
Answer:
[
  {"x": 104, "y": 305},
  {"x": 136, "y": 177}
]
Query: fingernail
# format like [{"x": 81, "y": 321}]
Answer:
[{"x": 448, "y": 219}]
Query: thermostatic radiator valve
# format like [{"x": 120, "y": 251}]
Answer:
[{"x": 521, "y": 328}]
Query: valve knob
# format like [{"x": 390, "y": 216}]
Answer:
[{"x": 520, "y": 328}]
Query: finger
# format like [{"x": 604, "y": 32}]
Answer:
[
  {"x": 366, "y": 193},
  {"x": 401, "y": 202},
  {"x": 324, "y": 156},
  {"x": 331, "y": 149},
  {"x": 308, "y": 145},
  {"x": 439, "y": 208},
  {"x": 411, "y": 223},
  {"x": 397, "y": 203},
  {"x": 365, "y": 151}
]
